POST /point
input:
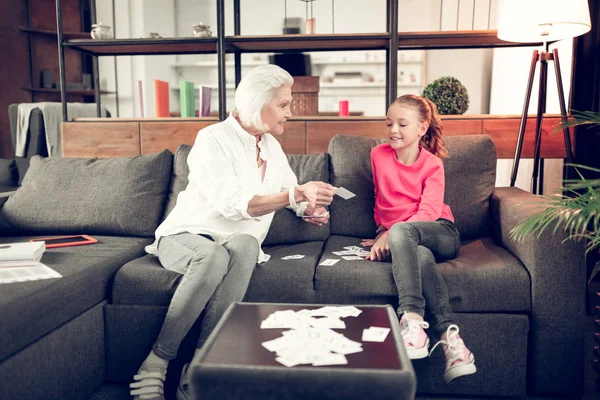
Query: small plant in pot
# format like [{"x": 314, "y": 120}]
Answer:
[{"x": 448, "y": 94}]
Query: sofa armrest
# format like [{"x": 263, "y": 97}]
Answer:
[{"x": 557, "y": 271}]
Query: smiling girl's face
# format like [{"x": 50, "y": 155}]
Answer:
[{"x": 404, "y": 130}]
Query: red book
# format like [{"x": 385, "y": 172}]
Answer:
[{"x": 161, "y": 98}]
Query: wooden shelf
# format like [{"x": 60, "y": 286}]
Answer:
[
  {"x": 50, "y": 33},
  {"x": 76, "y": 92},
  {"x": 123, "y": 47},
  {"x": 454, "y": 40},
  {"x": 295, "y": 43}
]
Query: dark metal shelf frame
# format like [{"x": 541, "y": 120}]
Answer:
[{"x": 239, "y": 44}]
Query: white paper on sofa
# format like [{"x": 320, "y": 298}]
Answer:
[{"x": 34, "y": 272}]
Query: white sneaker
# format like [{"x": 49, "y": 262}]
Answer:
[
  {"x": 416, "y": 341},
  {"x": 459, "y": 359},
  {"x": 148, "y": 384}
]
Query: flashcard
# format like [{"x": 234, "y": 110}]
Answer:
[{"x": 344, "y": 193}]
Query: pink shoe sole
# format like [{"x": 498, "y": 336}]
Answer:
[
  {"x": 418, "y": 353},
  {"x": 461, "y": 370}
]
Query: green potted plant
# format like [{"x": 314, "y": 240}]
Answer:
[
  {"x": 448, "y": 94},
  {"x": 577, "y": 210}
]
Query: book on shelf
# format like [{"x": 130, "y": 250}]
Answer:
[
  {"x": 204, "y": 100},
  {"x": 187, "y": 99},
  {"x": 21, "y": 253},
  {"x": 161, "y": 98}
]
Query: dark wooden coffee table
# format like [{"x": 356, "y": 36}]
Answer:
[{"x": 234, "y": 365}]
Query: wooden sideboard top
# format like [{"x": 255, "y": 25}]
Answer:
[{"x": 309, "y": 118}]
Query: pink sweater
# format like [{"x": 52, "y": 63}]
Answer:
[{"x": 407, "y": 193}]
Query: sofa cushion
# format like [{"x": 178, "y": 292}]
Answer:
[
  {"x": 483, "y": 278},
  {"x": 286, "y": 281},
  {"x": 9, "y": 176},
  {"x": 117, "y": 196},
  {"x": 351, "y": 169},
  {"x": 286, "y": 227},
  {"x": 29, "y": 310},
  {"x": 179, "y": 177},
  {"x": 470, "y": 180},
  {"x": 470, "y": 177},
  {"x": 144, "y": 281}
]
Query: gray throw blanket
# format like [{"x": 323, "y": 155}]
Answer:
[{"x": 52, "y": 113}]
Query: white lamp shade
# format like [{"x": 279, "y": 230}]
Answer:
[{"x": 543, "y": 20}]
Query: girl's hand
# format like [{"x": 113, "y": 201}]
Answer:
[
  {"x": 381, "y": 248},
  {"x": 367, "y": 242}
]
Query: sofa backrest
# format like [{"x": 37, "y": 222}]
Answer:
[
  {"x": 286, "y": 226},
  {"x": 470, "y": 177},
  {"x": 116, "y": 196}
]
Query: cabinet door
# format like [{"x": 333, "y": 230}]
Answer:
[
  {"x": 318, "y": 134},
  {"x": 100, "y": 139},
  {"x": 293, "y": 140},
  {"x": 157, "y": 135},
  {"x": 504, "y": 134}
]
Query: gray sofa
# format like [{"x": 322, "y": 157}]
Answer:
[{"x": 520, "y": 306}]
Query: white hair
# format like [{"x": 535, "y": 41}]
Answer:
[{"x": 255, "y": 90}]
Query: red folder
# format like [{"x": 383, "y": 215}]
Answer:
[{"x": 161, "y": 98}]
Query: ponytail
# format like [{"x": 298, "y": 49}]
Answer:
[{"x": 432, "y": 140}]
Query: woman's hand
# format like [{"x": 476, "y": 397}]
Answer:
[
  {"x": 381, "y": 248},
  {"x": 316, "y": 215},
  {"x": 317, "y": 193}
]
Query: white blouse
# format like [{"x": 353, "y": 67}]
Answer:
[{"x": 223, "y": 178}]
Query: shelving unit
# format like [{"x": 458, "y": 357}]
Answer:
[
  {"x": 389, "y": 41},
  {"x": 75, "y": 92},
  {"x": 42, "y": 36},
  {"x": 47, "y": 32}
]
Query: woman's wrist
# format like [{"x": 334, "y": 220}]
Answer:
[
  {"x": 298, "y": 194},
  {"x": 292, "y": 197}
]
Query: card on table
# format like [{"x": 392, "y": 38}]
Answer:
[{"x": 375, "y": 334}]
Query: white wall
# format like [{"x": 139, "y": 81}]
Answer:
[{"x": 134, "y": 19}]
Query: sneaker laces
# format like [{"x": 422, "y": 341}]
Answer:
[
  {"x": 452, "y": 344},
  {"x": 412, "y": 329}
]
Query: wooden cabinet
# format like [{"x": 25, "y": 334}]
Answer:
[
  {"x": 101, "y": 139},
  {"x": 97, "y": 137},
  {"x": 156, "y": 136}
]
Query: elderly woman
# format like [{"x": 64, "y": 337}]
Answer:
[{"x": 239, "y": 176}]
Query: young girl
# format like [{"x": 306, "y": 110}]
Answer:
[{"x": 416, "y": 228}]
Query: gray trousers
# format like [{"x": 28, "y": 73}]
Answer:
[
  {"x": 213, "y": 274},
  {"x": 415, "y": 247}
]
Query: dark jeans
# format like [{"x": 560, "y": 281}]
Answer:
[{"x": 415, "y": 248}]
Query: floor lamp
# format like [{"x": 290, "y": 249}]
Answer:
[{"x": 546, "y": 21}]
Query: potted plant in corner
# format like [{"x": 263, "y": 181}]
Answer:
[
  {"x": 448, "y": 94},
  {"x": 577, "y": 209}
]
